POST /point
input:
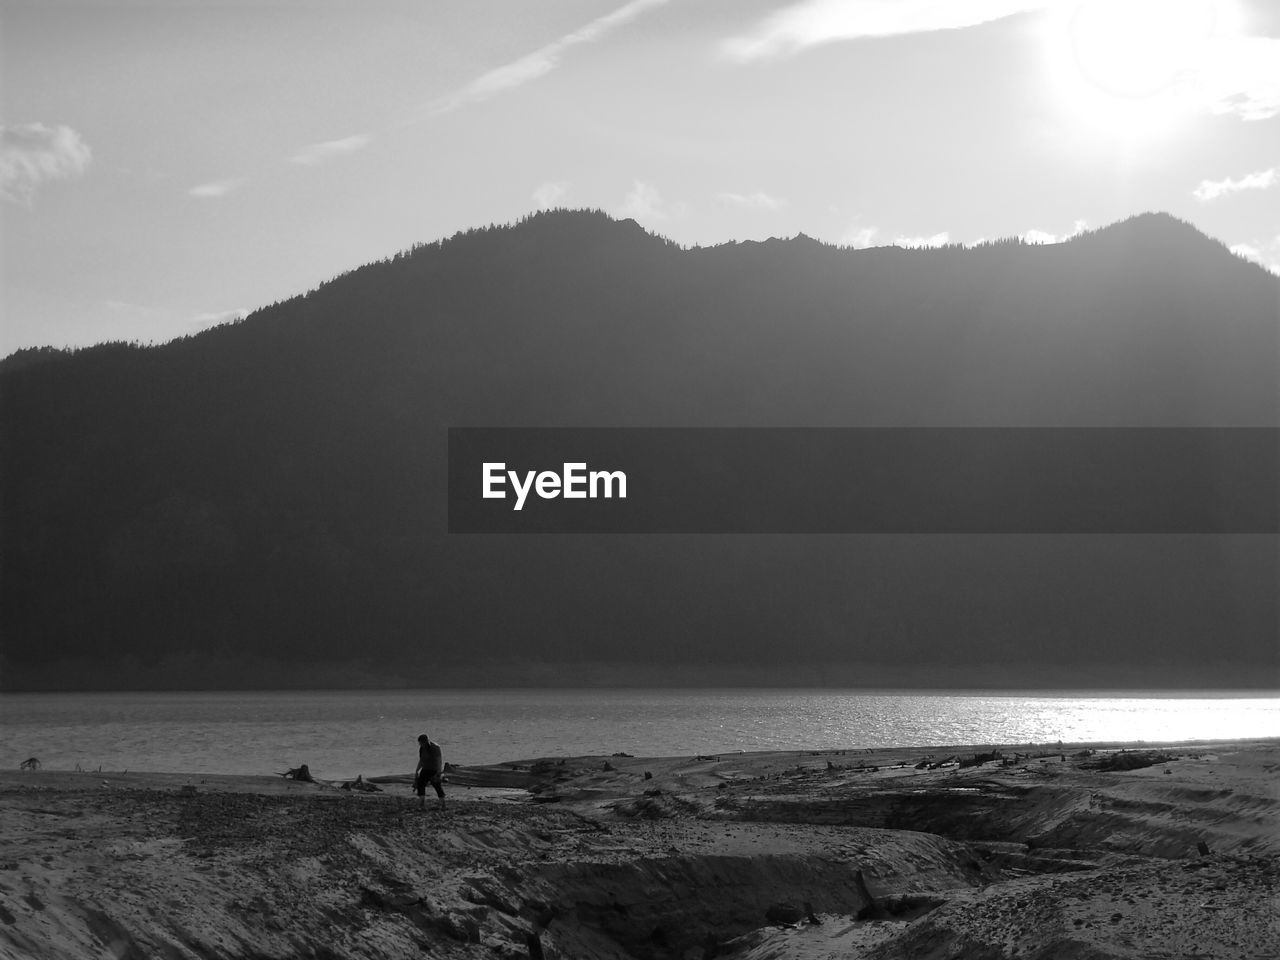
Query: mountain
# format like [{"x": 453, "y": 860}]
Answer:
[{"x": 263, "y": 504}]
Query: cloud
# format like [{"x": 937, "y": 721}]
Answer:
[
  {"x": 543, "y": 60},
  {"x": 137, "y": 311},
  {"x": 550, "y": 194},
  {"x": 33, "y": 153},
  {"x": 318, "y": 153},
  {"x": 937, "y": 240},
  {"x": 859, "y": 237},
  {"x": 1240, "y": 77},
  {"x": 1043, "y": 236},
  {"x": 1039, "y": 236},
  {"x": 1267, "y": 255},
  {"x": 752, "y": 201},
  {"x": 813, "y": 22},
  {"x": 1213, "y": 189},
  {"x": 644, "y": 202},
  {"x": 215, "y": 188},
  {"x": 1233, "y": 74}
]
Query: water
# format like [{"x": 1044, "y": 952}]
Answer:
[{"x": 339, "y": 734}]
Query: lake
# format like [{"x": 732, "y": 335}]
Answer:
[{"x": 339, "y": 734}]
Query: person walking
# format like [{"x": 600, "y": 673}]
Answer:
[{"x": 429, "y": 770}]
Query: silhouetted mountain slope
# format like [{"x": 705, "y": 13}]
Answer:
[{"x": 259, "y": 502}]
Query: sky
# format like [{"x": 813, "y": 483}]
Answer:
[{"x": 167, "y": 166}]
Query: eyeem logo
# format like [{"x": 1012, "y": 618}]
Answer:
[{"x": 574, "y": 482}]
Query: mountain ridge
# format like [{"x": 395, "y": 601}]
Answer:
[{"x": 1140, "y": 226}]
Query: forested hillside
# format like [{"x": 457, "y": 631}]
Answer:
[{"x": 263, "y": 504}]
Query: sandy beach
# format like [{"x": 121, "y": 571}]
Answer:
[{"x": 972, "y": 851}]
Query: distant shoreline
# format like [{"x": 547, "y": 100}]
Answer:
[{"x": 239, "y": 781}]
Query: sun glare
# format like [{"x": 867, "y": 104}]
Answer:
[{"x": 1129, "y": 69}]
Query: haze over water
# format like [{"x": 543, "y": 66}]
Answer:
[{"x": 339, "y": 734}]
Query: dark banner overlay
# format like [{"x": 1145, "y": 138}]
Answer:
[{"x": 864, "y": 480}]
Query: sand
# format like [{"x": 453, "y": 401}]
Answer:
[{"x": 1043, "y": 852}]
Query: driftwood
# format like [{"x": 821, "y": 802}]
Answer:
[
  {"x": 31, "y": 763},
  {"x": 299, "y": 773}
]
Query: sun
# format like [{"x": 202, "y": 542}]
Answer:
[
  {"x": 1139, "y": 48},
  {"x": 1129, "y": 68}
]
